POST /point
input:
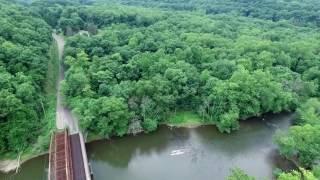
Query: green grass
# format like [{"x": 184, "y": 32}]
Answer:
[
  {"x": 53, "y": 70},
  {"x": 184, "y": 119}
]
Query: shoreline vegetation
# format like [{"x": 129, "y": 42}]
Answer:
[
  {"x": 183, "y": 119},
  {"x": 180, "y": 119}
]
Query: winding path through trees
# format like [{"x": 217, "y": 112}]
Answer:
[{"x": 64, "y": 116}]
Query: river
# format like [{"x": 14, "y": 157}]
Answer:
[{"x": 181, "y": 154}]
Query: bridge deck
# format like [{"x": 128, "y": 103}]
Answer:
[
  {"x": 77, "y": 158},
  {"x": 66, "y": 159},
  {"x": 60, "y": 167}
]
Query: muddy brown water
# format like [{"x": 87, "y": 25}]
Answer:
[{"x": 181, "y": 154}]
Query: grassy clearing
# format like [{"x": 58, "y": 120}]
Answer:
[
  {"x": 53, "y": 70},
  {"x": 184, "y": 119}
]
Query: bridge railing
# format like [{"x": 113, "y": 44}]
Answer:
[
  {"x": 84, "y": 156},
  {"x": 51, "y": 158}
]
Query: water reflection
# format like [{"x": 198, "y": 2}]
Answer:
[
  {"x": 34, "y": 169},
  {"x": 200, "y": 153},
  {"x": 180, "y": 154},
  {"x": 119, "y": 151}
]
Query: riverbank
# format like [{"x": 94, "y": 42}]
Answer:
[
  {"x": 183, "y": 119},
  {"x": 259, "y": 125},
  {"x": 191, "y": 153},
  {"x": 10, "y": 163},
  {"x": 180, "y": 119}
]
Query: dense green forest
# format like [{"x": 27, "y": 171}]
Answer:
[
  {"x": 302, "y": 13},
  {"x": 224, "y": 68},
  {"x": 24, "y": 52},
  {"x": 145, "y": 61},
  {"x": 226, "y": 61}
]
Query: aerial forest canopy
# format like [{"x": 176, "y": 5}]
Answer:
[
  {"x": 24, "y": 45},
  {"x": 144, "y": 65},
  {"x": 133, "y": 64},
  {"x": 298, "y": 12},
  {"x": 220, "y": 60}
]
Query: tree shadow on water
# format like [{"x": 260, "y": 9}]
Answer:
[{"x": 118, "y": 152}]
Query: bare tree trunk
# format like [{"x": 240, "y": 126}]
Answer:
[{"x": 18, "y": 166}]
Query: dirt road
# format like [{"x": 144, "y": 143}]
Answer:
[{"x": 64, "y": 117}]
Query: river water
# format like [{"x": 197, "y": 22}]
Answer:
[{"x": 181, "y": 154}]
